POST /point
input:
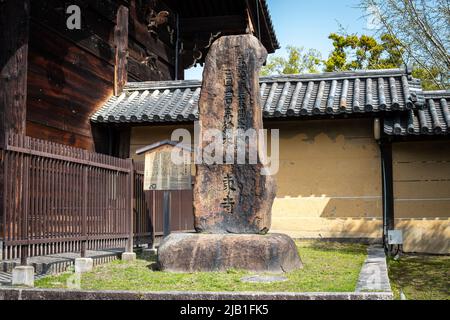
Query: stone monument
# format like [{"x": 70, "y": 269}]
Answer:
[{"x": 232, "y": 201}]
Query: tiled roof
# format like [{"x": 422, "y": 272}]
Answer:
[
  {"x": 433, "y": 119},
  {"x": 282, "y": 97}
]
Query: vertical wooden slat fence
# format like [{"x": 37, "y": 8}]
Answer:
[
  {"x": 181, "y": 211},
  {"x": 148, "y": 220},
  {"x": 143, "y": 226},
  {"x": 62, "y": 199}
]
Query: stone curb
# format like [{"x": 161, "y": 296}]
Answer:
[
  {"x": 59, "y": 294},
  {"x": 57, "y": 263}
]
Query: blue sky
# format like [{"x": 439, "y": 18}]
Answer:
[{"x": 308, "y": 23}]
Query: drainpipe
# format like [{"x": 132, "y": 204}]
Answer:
[
  {"x": 386, "y": 181},
  {"x": 383, "y": 184}
]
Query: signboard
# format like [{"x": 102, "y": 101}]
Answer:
[{"x": 161, "y": 173}]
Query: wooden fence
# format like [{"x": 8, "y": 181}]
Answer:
[
  {"x": 181, "y": 211},
  {"x": 63, "y": 199},
  {"x": 149, "y": 220}
]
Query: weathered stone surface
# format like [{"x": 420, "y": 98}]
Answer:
[
  {"x": 23, "y": 276},
  {"x": 63, "y": 294},
  {"x": 189, "y": 252},
  {"x": 232, "y": 198},
  {"x": 128, "y": 256},
  {"x": 83, "y": 265}
]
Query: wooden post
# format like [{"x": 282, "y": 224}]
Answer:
[
  {"x": 153, "y": 217},
  {"x": 121, "y": 146},
  {"x": 25, "y": 198},
  {"x": 388, "y": 187},
  {"x": 166, "y": 212},
  {"x": 121, "y": 47},
  {"x": 131, "y": 208},
  {"x": 85, "y": 209},
  {"x": 14, "y": 26}
]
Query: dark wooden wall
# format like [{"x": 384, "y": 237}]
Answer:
[
  {"x": 71, "y": 72},
  {"x": 14, "y": 34},
  {"x": 156, "y": 48}
]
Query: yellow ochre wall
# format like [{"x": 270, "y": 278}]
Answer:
[
  {"x": 422, "y": 195},
  {"x": 329, "y": 182},
  {"x": 329, "y": 178},
  {"x": 144, "y": 136}
]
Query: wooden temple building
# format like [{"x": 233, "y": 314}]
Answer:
[{"x": 75, "y": 105}]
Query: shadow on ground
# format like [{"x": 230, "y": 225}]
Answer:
[
  {"x": 325, "y": 245},
  {"x": 421, "y": 276}
]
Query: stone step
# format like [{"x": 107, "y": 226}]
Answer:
[{"x": 57, "y": 263}]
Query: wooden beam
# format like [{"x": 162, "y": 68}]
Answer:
[
  {"x": 235, "y": 24},
  {"x": 14, "y": 26},
  {"x": 251, "y": 27},
  {"x": 123, "y": 143},
  {"x": 121, "y": 50},
  {"x": 258, "y": 15}
]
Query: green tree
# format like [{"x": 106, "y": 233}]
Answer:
[
  {"x": 353, "y": 52},
  {"x": 423, "y": 32},
  {"x": 431, "y": 77},
  {"x": 364, "y": 52},
  {"x": 298, "y": 60}
]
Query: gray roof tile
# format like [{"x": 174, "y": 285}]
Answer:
[
  {"x": 286, "y": 96},
  {"x": 433, "y": 119}
]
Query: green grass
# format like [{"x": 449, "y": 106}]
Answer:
[
  {"x": 420, "y": 277},
  {"x": 328, "y": 267}
]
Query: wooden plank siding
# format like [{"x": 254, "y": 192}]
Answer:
[
  {"x": 144, "y": 45},
  {"x": 71, "y": 72},
  {"x": 60, "y": 82},
  {"x": 14, "y": 44},
  {"x": 121, "y": 48}
]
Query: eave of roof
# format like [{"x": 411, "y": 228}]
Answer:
[
  {"x": 273, "y": 36},
  {"x": 293, "y": 96},
  {"x": 157, "y": 145},
  {"x": 434, "y": 119}
]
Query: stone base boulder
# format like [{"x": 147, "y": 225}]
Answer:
[{"x": 194, "y": 252}]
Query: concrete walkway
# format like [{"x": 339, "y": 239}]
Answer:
[{"x": 374, "y": 273}]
